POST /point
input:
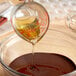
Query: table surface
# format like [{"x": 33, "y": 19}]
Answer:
[{"x": 59, "y": 30}]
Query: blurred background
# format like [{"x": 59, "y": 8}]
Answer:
[{"x": 57, "y": 9}]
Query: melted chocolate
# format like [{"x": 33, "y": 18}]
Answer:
[{"x": 45, "y": 64}]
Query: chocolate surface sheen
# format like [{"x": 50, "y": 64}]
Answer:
[{"x": 45, "y": 64}]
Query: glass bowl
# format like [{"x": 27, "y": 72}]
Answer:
[{"x": 54, "y": 42}]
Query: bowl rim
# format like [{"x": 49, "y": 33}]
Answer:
[
  {"x": 1, "y": 49},
  {"x": 12, "y": 71}
]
